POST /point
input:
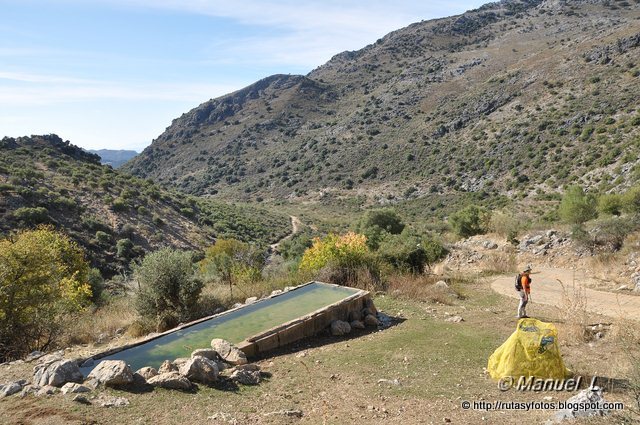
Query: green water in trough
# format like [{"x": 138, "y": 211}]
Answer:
[{"x": 235, "y": 326}]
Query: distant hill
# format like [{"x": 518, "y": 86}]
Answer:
[
  {"x": 112, "y": 157},
  {"x": 516, "y": 98},
  {"x": 114, "y": 216}
]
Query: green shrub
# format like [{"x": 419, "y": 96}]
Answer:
[
  {"x": 610, "y": 203},
  {"x": 410, "y": 252},
  {"x": 30, "y": 216},
  {"x": 96, "y": 283},
  {"x": 631, "y": 200},
  {"x": 157, "y": 220},
  {"x": 119, "y": 205},
  {"x": 374, "y": 224},
  {"x": 294, "y": 248},
  {"x": 576, "y": 207},
  {"x": 124, "y": 248},
  {"x": 103, "y": 237},
  {"x": 470, "y": 221},
  {"x": 169, "y": 289}
]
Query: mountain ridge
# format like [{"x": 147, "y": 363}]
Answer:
[{"x": 490, "y": 100}]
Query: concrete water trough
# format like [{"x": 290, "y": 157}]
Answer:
[{"x": 255, "y": 328}]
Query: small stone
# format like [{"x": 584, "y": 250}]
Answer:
[
  {"x": 46, "y": 390},
  {"x": 441, "y": 284},
  {"x": 371, "y": 320},
  {"x": 147, "y": 372},
  {"x": 73, "y": 388},
  {"x": 394, "y": 382},
  {"x": 276, "y": 292},
  {"x": 249, "y": 366},
  {"x": 10, "y": 389},
  {"x": 166, "y": 367},
  {"x": 251, "y": 300},
  {"x": 200, "y": 369},
  {"x": 357, "y": 324},
  {"x": 339, "y": 328},
  {"x": 79, "y": 398},
  {"x": 246, "y": 377},
  {"x": 454, "y": 319},
  {"x": 110, "y": 401},
  {"x": 209, "y": 353}
]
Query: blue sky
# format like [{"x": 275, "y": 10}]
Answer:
[{"x": 114, "y": 73}]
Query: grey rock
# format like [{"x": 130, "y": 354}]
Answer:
[
  {"x": 166, "y": 367},
  {"x": 246, "y": 377},
  {"x": 200, "y": 369},
  {"x": 10, "y": 389},
  {"x": 79, "y": 398},
  {"x": 46, "y": 390},
  {"x": 229, "y": 352},
  {"x": 209, "y": 353},
  {"x": 249, "y": 366},
  {"x": 339, "y": 328},
  {"x": 111, "y": 401},
  {"x": 355, "y": 315},
  {"x": 251, "y": 300},
  {"x": 112, "y": 373},
  {"x": 73, "y": 388},
  {"x": 147, "y": 372},
  {"x": 276, "y": 292},
  {"x": 57, "y": 373},
  {"x": 288, "y": 413},
  {"x": 34, "y": 355},
  {"x": 357, "y": 324},
  {"x": 454, "y": 319},
  {"x": 490, "y": 245},
  {"x": 180, "y": 361},
  {"x": 587, "y": 396},
  {"x": 371, "y": 320},
  {"x": 171, "y": 381},
  {"x": 441, "y": 284}
]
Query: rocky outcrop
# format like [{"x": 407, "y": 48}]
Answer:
[
  {"x": 228, "y": 352},
  {"x": 112, "y": 373},
  {"x": 57, "y": 373},
  {"x": 246, "y": 376}
]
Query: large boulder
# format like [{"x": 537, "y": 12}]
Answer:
[
  {"x": 171, "y": 381},
  {"x": 167, "y": 366},
  {"x": 200, "y": 369},
  {"x": 57, "y": 373},
  {"x": 112, "y": 373},
  {"x": 11, "y": 388},
  {"x": 229, "y": 352},
  {"x": 339, "y": 328}
]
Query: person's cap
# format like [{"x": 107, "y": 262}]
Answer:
[{"x": 528, "y": 269}]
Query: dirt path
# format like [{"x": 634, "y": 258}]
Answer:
[
  {"x": 546, "y": 289},
  {"x": 296, "y": 224}
]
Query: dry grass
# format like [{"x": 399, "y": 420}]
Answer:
[
  {"x": 500, "y": 262},
  {"x": 87, "y": 327},
  {"x": 573, "y": 312},
  {"x": 421, "y": 288}
]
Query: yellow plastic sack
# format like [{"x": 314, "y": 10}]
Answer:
[{"x": 532, "y": 350}]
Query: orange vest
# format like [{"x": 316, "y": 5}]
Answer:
[{"x": 526, "y": 283}]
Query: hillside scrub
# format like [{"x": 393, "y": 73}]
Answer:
[
  {"x": 43, "y": 279},
  {"x": 375, "y": 224},
  {"x": 410, "y": 252},
  {"x": 230, "y": 261}
]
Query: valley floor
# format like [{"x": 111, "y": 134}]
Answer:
[{"x": 419, "y": 370}]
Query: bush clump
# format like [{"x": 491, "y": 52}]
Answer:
[
  {"x": 168, "y": 289},
  {"x": 576, "y": 206},
  {"x": 470, "y": 221}
]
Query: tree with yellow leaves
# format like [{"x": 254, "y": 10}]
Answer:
[{"x": 43, "y": 278}]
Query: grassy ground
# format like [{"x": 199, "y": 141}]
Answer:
[{"x": 437, "y": 364}]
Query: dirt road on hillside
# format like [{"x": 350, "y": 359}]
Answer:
[
  {"x": 296, "y": 224},
  {"x": 546, "y": 289}
]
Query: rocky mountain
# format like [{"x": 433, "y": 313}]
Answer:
[
  {"x": 114, "y": 157},
  {"x": 516, "y": 98},
  {"x": 116, "y": 217}
]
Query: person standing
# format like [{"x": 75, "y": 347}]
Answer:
[{"x": 523, "y": 286}]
